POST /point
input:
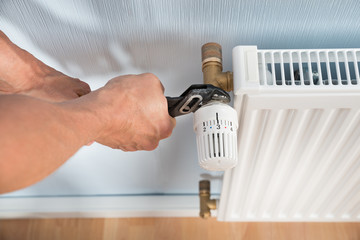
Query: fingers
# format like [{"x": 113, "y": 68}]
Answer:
[
  {"x": 90, "y": 143},
  {"x": 82, "y": 88},
  {"x": 139, "y": 119},
  {"x": 81, "y": 92},
  {"x": 162, "y": 87},
  {"x": 166, "y": 129},
  {"x": 173, "y": 122}
]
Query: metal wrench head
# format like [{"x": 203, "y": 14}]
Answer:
[{"x": 194, "y": 97}]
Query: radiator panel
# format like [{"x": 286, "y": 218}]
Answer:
[
  {"x": 295, "y": 164},
  {"x": 299, "y": 152}
]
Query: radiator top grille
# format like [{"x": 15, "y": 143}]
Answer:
[{"x": 309, "y": 68}]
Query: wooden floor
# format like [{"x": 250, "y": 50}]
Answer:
[{"x": 170, "y": 228}]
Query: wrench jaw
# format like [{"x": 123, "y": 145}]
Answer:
[
  {"x": 219, "y": 95},
  {"x": 192, "y": 104},
  {"x": 194, "y": 97}
]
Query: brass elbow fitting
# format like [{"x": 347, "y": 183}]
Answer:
[
  {"x": 206, "y": 204},
  {"x": 212, "y": 68}
]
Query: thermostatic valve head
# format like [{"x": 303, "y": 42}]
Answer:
[{"x": 215, "y": 125}]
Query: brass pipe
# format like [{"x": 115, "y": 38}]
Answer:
[
  {"x": 206, "y": 204},
  {"x": 212, "y": 68}
]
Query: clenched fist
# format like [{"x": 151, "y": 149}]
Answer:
[{"x": 134, "y": 111}]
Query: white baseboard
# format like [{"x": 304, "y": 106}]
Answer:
[{"x": 99, "y": 207}]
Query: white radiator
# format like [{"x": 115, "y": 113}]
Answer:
[{"x": 299, "y": 136}]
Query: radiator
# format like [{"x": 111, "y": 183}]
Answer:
[{"x": 299, "y": 136}]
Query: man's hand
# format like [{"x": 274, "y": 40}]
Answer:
[
  {"x": 135, "y": 111},
  {"x": 128, "y": 113},
  {"x": 22, "y": 73},
  {"x": 55, "y": 86}
]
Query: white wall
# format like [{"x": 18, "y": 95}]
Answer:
[{"x": 96, "y": 40}]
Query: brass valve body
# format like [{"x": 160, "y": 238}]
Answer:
[
  {"x": 211, "y": 55},
  {"x": 206, "y": 204}
]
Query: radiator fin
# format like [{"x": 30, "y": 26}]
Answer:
[{"x": 295, "y": 165}]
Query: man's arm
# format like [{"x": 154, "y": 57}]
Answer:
[
  {"x": 22, "y": 73},
  {"x": 36, "y": 137}
]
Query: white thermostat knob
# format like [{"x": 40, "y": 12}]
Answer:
[{"x": 215, "y": 125}]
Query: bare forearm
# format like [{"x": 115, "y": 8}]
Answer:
[
  {"x": 40, "y": 136},
  {"x": 22, "y": 73},
  {"x": 36, "y": 137},
  {"x": 16, "y": 67}
]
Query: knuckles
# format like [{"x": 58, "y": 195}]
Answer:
[
  {"x": 167, "y": 129},
  {"x": 149, "y": 77},
  {"x": 142, "y": 100},
  {"x": 151, "y": 146}
]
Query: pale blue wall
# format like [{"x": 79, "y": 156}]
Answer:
[{"x": 95, "y": 40}]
